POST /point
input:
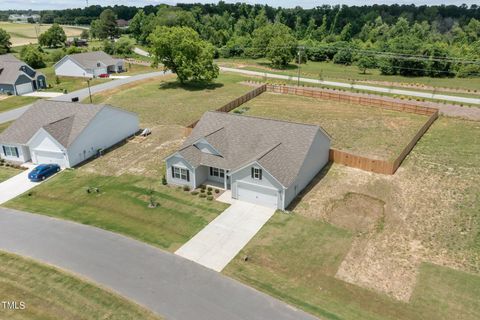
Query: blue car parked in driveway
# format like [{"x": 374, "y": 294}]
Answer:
[{"x": 43, "y": 171}]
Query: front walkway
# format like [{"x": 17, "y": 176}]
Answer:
[
  {"x": 43, "y": 94},
  {"x": 221, "y": 240}
]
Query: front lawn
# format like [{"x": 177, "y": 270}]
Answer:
[
  {"x": 67, "y": 83},
  {"x": 50, "y": 294},
  {"x": 8, "y": 172},
  {"x": 13, "y": 102},
  {"x": 363, "y": 130},
  {"x": 122, "y": 206},
  {"x": 163, "y": 101}
]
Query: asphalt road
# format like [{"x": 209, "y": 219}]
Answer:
[
  {"x": 360, "y": 87},
  {"x": 169, "y": 285}
]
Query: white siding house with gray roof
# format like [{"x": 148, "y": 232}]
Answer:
[
  {"x": 264, "y": 161},
  {"x": 88, "y": 64},
  {"x": 65, "y": 133}
]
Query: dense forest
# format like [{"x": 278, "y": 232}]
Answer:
[{"x": 438, "y": 41}]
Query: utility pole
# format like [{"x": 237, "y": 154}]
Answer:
[{"x": 300, "y": 51}]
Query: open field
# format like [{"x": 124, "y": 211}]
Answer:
[
  {"x": 363, "y": 130},
  {"x": 13, "y": 102},
  {"x": 122, "y": 206},
  {"x": 25, "y": 33},
  {"x": 8, "y": 172},
  {"x": 336, "y": 72},
  {"x": 414, "y": 236},
  {"x": 165, "y": 102},
  {"x": 51, "y": 294}
]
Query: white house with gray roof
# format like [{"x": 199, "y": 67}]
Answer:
[
  {"x": 17, "y": 77},
  {"x": 88, "y": 64},
  {"x": 65, "y": 133},
  {"x": 264, "y": 161}
]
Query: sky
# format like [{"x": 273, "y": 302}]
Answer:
[{"x": 62, "y": 4}]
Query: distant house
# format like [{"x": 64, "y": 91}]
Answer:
[
  {"x": 24, "y": 18},
  {"x": 263, "y": 161},
  {"x": 121, "y": 23},
  {"x": 76, "y": 42},
  {"x": 17, "y": 77},
  {"x": 65, "y": 133},
  {"x": 88, "y": 64}
]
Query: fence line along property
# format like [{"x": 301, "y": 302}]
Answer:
[{"x": 336, "y": 155}]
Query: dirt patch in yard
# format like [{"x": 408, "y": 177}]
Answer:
[
  {"x": 357, "y": 212},
  {"x": 140, "y": 156}
]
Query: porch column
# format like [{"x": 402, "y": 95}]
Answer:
[{"x": 225, "y": 180}]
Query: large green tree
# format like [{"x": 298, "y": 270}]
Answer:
[
  {"x": 106, "y": 26},
  {"x": 54, "y": 37},
  {"x": 5, "y": 43},
  {"x": 33, "y": 56},
  {"x": 181, "y": 50},
  {"x": 276, "y": 42}
]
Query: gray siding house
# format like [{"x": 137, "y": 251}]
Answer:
[
  {"x": 88, "y": 64},
  {"x": 17, "y": 77},
  {"x": 263, "y": 161}
]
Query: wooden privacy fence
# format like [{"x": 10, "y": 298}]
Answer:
[
  {"x": 233, "y": 104},
  {"x": 353, "y": 160}
]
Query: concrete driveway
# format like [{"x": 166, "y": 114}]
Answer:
[
  {"x": 43, "y": 94},
  {"x": 223, "y": 238},
  {"x": 169, "y": 285},
  {"x": 17, "y": 185}
]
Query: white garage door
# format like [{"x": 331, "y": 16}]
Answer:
[
  {"x": 257, "y": 194},
  {"x": 45, "y": 157},
  {"x": 24, "y": 88}
]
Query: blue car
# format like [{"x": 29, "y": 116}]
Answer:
[{"x": 43, "y": 171}]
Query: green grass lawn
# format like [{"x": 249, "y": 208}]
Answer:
[
  {"x": 14, "y": 102},
  {"x": 165, "y": 101},
  {"x": 363, "y": 130},
  {"x": 8, "y": 172},
  {"x": 294, "y": 258},
  {"x": 67, "y": 83},
  {"x": 50, "y": 294},
  {"x": 331, "y": 71},
  {"x": 122, "y": 206}
]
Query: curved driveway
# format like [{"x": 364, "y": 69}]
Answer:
[{"x": 167, "y": 284}]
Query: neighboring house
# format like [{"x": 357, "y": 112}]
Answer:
[
  {"x": 17, "y": 77},
  {"x": 65, "y": 133},
  {"x": 24, "y": 18},
  {"x": 262, "y": 161},
  {"x": 122, "y": 23},
  {"x": 88, "y": 64}
]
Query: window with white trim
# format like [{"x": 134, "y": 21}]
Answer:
[
  {"x": 181, "y": 173},
  {"x": 257, "y": 173},
  {"x": 10, "y": 151},
  {"x": 216, "y": 172}
]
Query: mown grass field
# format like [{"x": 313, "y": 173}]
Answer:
[
  {"x": 122, "y": 206},
  {"x": 25, "y": 33},
  {"x": 51, "y": 294},
  {"x": 331, "y": 71},
  {"x": 67, "y": 83},
  {"x": 13, "y": 102},
  {"x": 164, "y": 101},
  {"x": 363, "y": 130}
]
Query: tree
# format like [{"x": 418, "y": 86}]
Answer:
[
  {"x": 366, "y": 62},
  {"x": 181, "y": 50},
  {"x": 274, "y": 39},
  {"x": 5, "y": 43},
  {"x": 85, "y": 35},
  {"x": 54, "y": 37},
  {"x": 106, "y": 26},
  {"x": 32, "y": 56},
  {"x": 124, "y": 46}
]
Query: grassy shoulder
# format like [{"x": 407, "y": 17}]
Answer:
[
  {"x": 122, "y": 206},
  {"x": 336, "y": 72},
  {"x": 49, "y": 293},
  {"x": 13, "y": 102}
]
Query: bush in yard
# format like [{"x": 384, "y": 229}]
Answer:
[
  {"x": 203, "y": 187},
  {"x": 202, "y": 195},
  {"x": 202, "y": 190},
  {"x": 164, "y": 180},
  {"x": 186, "y": 188},
  {"x": 195, "y": 193},
  {"x": 210, "y": 198},
  {"x": 209, "y": 193},
  {"x": 217, "y": 191},
  {"x": 209, "y": 188}
]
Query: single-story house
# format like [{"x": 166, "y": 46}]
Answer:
[
  {"x": 122, "y": 23},
  {"x": 24, "y": 18},
  {"x": 65, "y": 133},
  {"x": 263, "y": 161},
  {"x": 88, "y": 64},
  {"x": 17, "y": 77}
]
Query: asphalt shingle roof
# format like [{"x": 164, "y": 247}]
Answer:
[
  {"x": 63, "y": 120},
  {"x": 10, "y": 69},
  {"x": 89, "y": 60},
  {"x": 279, "y": 146}
]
